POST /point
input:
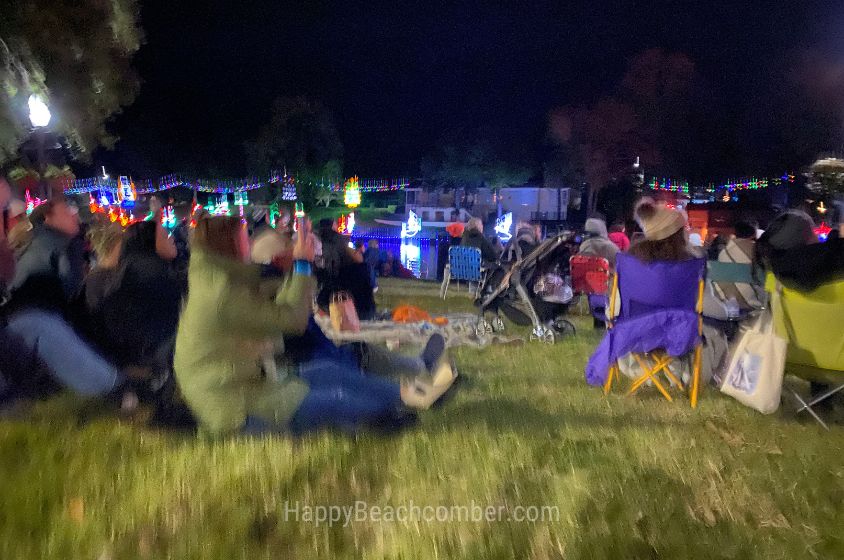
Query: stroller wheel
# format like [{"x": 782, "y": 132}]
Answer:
[
  {"x": 563, "y": 327},
  {"x": 498, "y": 324}
]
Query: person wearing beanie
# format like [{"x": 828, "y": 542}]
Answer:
[
  {"x": 597, "y": 242},
  {"x": 790, "y": 249},
  {"x": 665, "y": 233}
]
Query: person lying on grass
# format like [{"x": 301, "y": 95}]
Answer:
[{"x": 227, "y": 328}]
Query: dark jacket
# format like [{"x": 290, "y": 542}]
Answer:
[
  {"x": 474, "y": 238},
  {"x": 50, "y": 272},
  {"x": 807, "y": 267},
  {"x": 134, "y": 309}
]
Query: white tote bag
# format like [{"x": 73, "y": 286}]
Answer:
[{"x": 756, "y": 366}]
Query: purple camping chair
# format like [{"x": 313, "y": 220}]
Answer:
[{"x": 659, "y": 297}]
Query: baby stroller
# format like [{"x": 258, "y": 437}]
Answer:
[{"x": 530, "y": 290}]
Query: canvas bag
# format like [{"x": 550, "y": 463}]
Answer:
[
  {"x": 341, "y": 310},
  {"x": 756, "y": 366}
]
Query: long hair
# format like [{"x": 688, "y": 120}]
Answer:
[
  {"x": 672, "y": 248},
  {"x": 139, "y": 238},
  {"x": 218, "y": 235}
]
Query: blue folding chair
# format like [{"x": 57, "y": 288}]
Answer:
[{"x": 464, "y": 263}]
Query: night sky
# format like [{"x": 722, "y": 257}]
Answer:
[{"x": 398, "y": 76}]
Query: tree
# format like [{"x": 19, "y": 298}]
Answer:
[
  {"x": 475, "y": 159},
  {"x": 76, "y": 55},
  {"x": 598, "y": 144},
  {"x": 301, "y": 138}
]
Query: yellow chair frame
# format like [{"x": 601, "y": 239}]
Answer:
[{"x": 659, "y": 359}]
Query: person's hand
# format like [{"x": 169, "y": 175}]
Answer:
[{"x": 303, "y": 249}]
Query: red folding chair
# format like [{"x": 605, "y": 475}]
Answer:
[{"x": 590, "y": 277}]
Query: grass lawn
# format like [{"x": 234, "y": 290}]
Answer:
[{"x": 629, "y": 477}]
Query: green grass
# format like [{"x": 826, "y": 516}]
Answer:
[{"x": 630, "y": 477}]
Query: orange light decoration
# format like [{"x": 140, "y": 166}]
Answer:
[{"x": 352, "y": 196}]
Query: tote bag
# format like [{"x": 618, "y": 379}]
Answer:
[
  {"x": 341, "y": 310},
  {"x": 755, "y": 371}
]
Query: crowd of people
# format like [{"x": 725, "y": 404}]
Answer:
[
  {"x": 226, "y": 323},
  {"x": 222, "y": 315}
]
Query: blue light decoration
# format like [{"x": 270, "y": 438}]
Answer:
[
  {"x": 288, "y": 188},
  {"x": 412, "y": 226},
  {"x": 168, "y": 217},
  {"x": 502, "y": 227},
  {"x": 126, "y": 193}
]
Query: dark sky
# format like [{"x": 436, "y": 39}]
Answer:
[{"x": 399, "y": 75}]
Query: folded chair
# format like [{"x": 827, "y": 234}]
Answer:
[
  {"x": 659, "y": 319},
  {"x": 464, "y": 263},
  {"x": 812, "y": 324},
  {"x": 590, "y": 277}
]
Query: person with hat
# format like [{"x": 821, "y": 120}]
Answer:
[
  {"x": 597, "y": 242},
  {"x": 665, "y": 234}
]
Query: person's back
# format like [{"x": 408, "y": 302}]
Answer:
[
  {"x": 597, "y": 243},
  {"x": 473, "y": 236},
  {"x": 618, "y": 236}
]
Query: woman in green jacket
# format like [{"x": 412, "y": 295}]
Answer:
[{"x": 228, "y": 327}]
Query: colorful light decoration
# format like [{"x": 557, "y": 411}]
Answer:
[
  {"x": 346, "y": 224},
  {"x": 193, "y": 211},
  {"x": 168, "y": 217},
  {"x": 273, "y": 214},
  {"x": 220, "y": 208},
  {"x": 126, "y": 193},
  {"x": 32, "y": 202},
  {"x": 352, "y": 196},
  {"x": 669, "y": 185},
  {"x": 241, "y": 198},
  {"x": 823, "y": 231},
  {"x": 374, "y": 185},
  {"x": 412, "y": 226},
  {"x": 502, "y": 227},
  {"x": 821, "y": 208},
  {"x": 288, "y": 189}
]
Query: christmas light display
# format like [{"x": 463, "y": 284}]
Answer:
[
  {"x": 412, "y": 226},
  {"x": 823, "y": 231},
  {"x": 502, "y": 227},
  {"x": 220, "y": 207},
  {"x": 669, "y": 185},
  {"x": 168, "y": 217},
  {"x": 374, "y": 185},
  {"x": 288, "y": 189},
  {"x": 32, "y": 202},
  {"x": 346, "y": 224},
  {"x": 126, "y": 193},
  {"x": 273, "y": 214},
  {"x": 352, "y": 196}
]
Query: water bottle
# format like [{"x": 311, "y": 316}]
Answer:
[{"x": 733, "y": 309}]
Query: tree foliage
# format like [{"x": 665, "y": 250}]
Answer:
[
  {"x": 474, "y": 159},
  {"x": 77, "y": 55},
  {"x": 300, "y": 137}
]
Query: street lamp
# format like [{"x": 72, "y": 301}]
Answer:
[
  {"x": 39, "y": 116},
  {"x": 39, "y": 113}
]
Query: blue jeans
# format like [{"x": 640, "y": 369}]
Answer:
[
  {"x": 36, "y": 340},
  {"x": 341, "y": 396}
]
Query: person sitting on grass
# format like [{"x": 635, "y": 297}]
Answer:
[
  {"x": 343, "y": 270},
  {"x": 227, "y": 328},
  {"x": 38, "y": 346},
  {"x": 136, "y": 304}
]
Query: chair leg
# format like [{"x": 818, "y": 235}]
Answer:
[
  {"x": 650, "y": 373},
  {"x": 696, "y": 375},
  {"x": 613, "y": 373},
  {"x": 446, "y": 281},
  {"x": 808, "y": 408}
]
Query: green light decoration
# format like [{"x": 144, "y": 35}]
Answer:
[{"x": 273, "y": 214}]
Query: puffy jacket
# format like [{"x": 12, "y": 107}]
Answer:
[
  {"x": 224, "y": 331},
  {"x": 475, "y": 238}
]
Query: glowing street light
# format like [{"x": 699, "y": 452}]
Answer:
[{"x": 39, "y": 113}]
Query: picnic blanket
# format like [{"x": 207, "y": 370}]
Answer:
[{"x": 460, "y": 330}]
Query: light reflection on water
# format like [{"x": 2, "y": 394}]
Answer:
[{"x": 417, "y": 254}]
